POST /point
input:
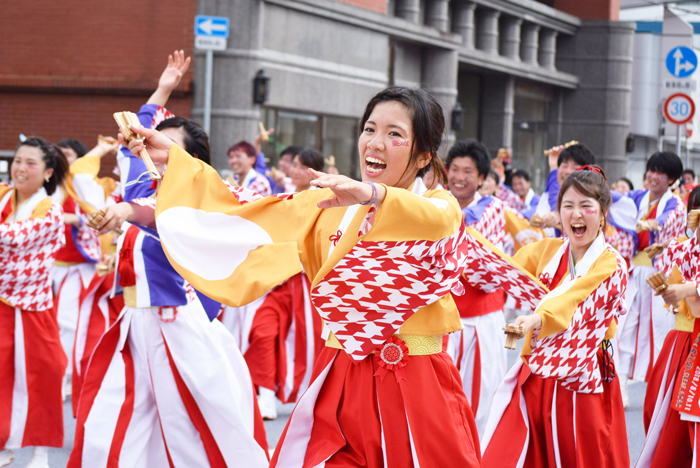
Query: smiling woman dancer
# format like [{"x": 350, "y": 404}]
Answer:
[
  {"x": 32, "y": 361},
  {"x": 561, "y": 408},
  {"x": 382, "y": 288}
]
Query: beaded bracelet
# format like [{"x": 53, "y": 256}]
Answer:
[{"x": 374, "y": 196}]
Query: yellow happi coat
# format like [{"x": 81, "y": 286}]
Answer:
[{"x": 374, "y": 272}]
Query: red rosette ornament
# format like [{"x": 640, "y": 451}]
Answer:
[{"x": 392, "y": 356}]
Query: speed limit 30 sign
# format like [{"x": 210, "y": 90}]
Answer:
[{"x": 679, "y": 108}]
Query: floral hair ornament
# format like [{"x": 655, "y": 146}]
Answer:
[
  {"x": 391, "y": 356},
  {"x": 594, "y": 169}
]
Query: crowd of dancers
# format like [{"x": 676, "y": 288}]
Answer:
[{"x": 177, "y": 313}]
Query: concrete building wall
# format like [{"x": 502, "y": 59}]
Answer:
[
  {"x": 598, "y": 112},
  {"x": 646, "y": 85},
  {"x": 312, "y": 74}
]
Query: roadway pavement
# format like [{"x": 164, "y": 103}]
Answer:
[{"x": 58, "y": 458}]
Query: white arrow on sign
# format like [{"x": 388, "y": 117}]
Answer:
[
  {"x": 208, "y": 27},
  {"x": 680, "y": 64}
]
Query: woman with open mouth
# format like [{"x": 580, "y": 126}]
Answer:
[
  {"x": 561, "y": 405},
  {"x": 381, "y": 261}
]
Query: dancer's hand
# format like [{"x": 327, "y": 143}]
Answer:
[
  {"x": 157, "y": 144},
  {"x": 260, "y": 138},
  {"x": 553, "y": 156},
  {"x": 110, "y": 261},
  {"x": 529, "y": 322},
  {"x": 105, "y": 145},
  {"x": 550, "y": 220},
  {"x": 677, "y": 292},
  {"x": 346, "y": 191},
  {"x": 174, "y": 71},
  {"x": 110, "y": 218},
  {"x": 653, "y": 225},
  {"x": 170, "y": 78}
]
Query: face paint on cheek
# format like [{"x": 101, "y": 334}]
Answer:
[
  {"x": 591, "y": 211},
  {"x": 399, "y": 143}
]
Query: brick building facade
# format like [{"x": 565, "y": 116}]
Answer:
[{"x": 67, "y": 66}]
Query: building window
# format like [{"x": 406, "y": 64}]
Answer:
[
  {"x": 469, "y": 97},
  {"x": 331, "y": 135},
  {"x": 531, "y": 105},
  {"x": 5, "y": 163}
]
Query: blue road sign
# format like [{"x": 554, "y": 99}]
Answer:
[
  {"x": 211, "y": 26},
  {"x": 681, "y": 61}
]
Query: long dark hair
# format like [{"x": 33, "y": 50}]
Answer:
[
  {"x": 428, "y": 125},
  {"x": 53, "y": 159}
]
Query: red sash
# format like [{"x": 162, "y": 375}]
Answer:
[
  {"x": 7, "y": 209},
  {"x": 127, "y": 274},
  {"x": 69, "y": 253},
  {"x": 643, "y": 236},
  {"x": 475, "y": 302},
  {"x": 561, "y": 269},
  {"x": 687, "y": 387}
]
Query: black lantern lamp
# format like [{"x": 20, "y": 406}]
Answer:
[
  {"x": 457, "y": 117},
  {"x": 261, "y": 87}
]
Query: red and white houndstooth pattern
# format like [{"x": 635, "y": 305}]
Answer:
[
  {"x": 488, "y": 271},
  {"x": 674, "y": 226},
  {"x": 623, "y": 242},
  {"x": 377, "y": 286},
  {"x": 492, "y": 224},
  {"x": 683, "y": 254},
  {"x": 245, "y": 195},
  {"x": 510, "y": 198},
  {"x": 570, "y": 355},
  {"x": 161, "y": 114},
  {"x": 27, "y": 252}
]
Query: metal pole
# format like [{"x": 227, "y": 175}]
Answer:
[
  {"x": 678, "y": 140},
  {"x": 207, "y": 91}
]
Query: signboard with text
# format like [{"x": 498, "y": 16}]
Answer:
[
  {"x": 211, "y": 32},
  {"x": 678, "y": 70}
]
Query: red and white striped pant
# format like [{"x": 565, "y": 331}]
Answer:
[
  {"x": 168, "y": 394},
  {"x": 32, "y": 364}
]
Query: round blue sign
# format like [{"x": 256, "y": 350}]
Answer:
[{"x": 681, "y": 62}]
